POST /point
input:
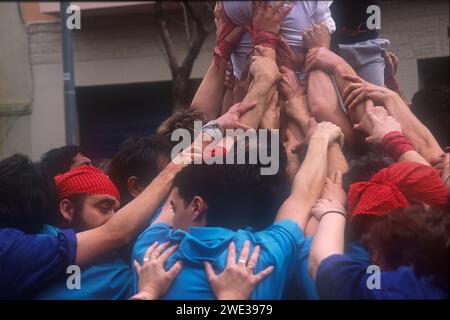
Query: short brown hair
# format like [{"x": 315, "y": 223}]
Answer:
[
  {"x": 413, "y": 236},
  {"x": 181, "y": 119}
]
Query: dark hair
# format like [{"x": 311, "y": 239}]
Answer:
[
  {"x": 59, "y": 160},
  {"x": 143, "y": 157},
  {"x": 414, "y": 236},
  {"x": 27, "y": 194},
  {"x": 237, "y": 195},
  {"x": 363, "y": 168}
]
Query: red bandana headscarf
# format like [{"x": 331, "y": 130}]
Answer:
[
  {"x": 396, "y": 187},
  {"x": 85, "y": 180}
]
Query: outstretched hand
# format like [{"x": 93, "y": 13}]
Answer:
[
  {"x": 317, "y": 36},
  {"x": 377, "y": 123},
  {"x": 231, "y": 119},
  {"x": 323, "y": 59},
  {"x": 360, "y": 90}
]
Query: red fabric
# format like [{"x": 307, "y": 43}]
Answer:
[
  {"x": 396, "y": 187},
  {"x": 223, "y": 48},
  {"x": 221, "y": 151},
  {"x": 396, "y": 144},
  {"x": 266, "y": 39},
  {"x": 85, "y": 180}
]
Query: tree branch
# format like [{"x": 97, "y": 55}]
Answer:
[
  {"x": 166, "y": 39},
  {"x": 198, "y": 38}
]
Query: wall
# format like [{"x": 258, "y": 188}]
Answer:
[
  {"x": 417, "y": 30},
  {"x": 108, "y": 50}
]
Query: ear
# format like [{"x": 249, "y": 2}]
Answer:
[
  {"x": 199, "y": 207},
  {"x": 67, "y": 211},
  {"x": 133, "y": 186}
]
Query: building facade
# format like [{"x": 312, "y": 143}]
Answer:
[{"x": 118, "y": 50}]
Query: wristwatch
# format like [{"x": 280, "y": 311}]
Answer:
[{"x": 214, "y": 130}]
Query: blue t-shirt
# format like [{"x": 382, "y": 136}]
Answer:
[
  {"x": 279, "y": 246},
  {"x": 30, "y": 261},
  {"x": 340, "y": 277},
  {"x": 109, "y": 279},
  {"x": 303, "y": 287}
]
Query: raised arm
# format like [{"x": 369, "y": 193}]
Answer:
[
  {"x": 297, "y": 108},
  {"x": 308, "y": 181},
  {"x": 419, "y": 135},
  {"x": 385, "y": 130},
  {"x": 330, "y": 211},
  {"x": 329, "y": 62},
  {"x": 130, "y": 220},
  {"x": 209, "y": 96},
  {"x": 264, "y": 74}
]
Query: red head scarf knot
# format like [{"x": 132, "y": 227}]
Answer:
[
  {"x": 396, "y": 187},
  {"x": 85, "y": 180}
]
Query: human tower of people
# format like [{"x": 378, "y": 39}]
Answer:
[{"x": 358, "y": 208}]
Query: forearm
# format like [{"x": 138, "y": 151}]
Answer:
[
  {"x": 357, "y": 113},
  {"x": 307, "y": 184},
  {"x": 302, "y": 113},
  {"x": 336, "y": 160},
  {"x": 209, "y": 95},
  {"x": 419, "y": 135},
  {"x": 413, "y": 156},
  {"x": 329, "y": 240},
  {"x": 324, "y": 104},
  {"x": 227, "y": 100},
  {"x": 260, "y": 91}
]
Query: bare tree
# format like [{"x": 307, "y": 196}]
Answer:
[{"x": 200, "y": 14}]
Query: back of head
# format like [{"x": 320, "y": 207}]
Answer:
[
  {"x": 181, "y": 120},
  {"x": 59, "y": 160},
  {"x": 363, "y": 168},
  {"x": 414, "y": 236},
  {"x": 142, "y": 157},
  {"x": 237, "y": 195},
  {"x": 27, "y": 194}
]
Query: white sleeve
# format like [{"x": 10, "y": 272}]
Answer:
[{"x": 323, "y": 14}]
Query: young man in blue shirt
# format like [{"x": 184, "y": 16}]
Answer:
[
  {"x": 211, "y": 208},
  {"x": 88, "y": 199}
]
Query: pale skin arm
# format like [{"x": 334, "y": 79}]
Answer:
[
  {"x": 329, "y": 238},
  {"x": 298, "y": 107},
  {"x": 327, "y": 61},
  {"x": 228, "y": 96},
  {"x": 209, "y": 96},
  {"x": 419, "y": 135},
  {"x": 377, "y": 123},
  {"x": 265, "y": 76},
  {"x": 324, "y": 104},
  {"x": 127, "y": 222},
  {"x": 308, "y": 181}
]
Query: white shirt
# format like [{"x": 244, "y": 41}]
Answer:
[{"x": 298, "y": 20}]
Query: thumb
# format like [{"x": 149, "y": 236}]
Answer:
[
  {"x": 240, "y": 125},
  {"x": 370, "y": 139}
]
